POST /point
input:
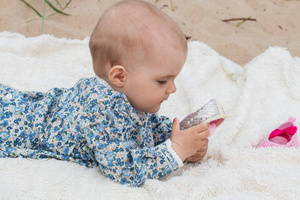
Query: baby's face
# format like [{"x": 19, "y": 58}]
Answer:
[{"x": 151, "y": 83}]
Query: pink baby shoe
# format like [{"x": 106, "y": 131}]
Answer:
[{"x": 284, "y": 136}]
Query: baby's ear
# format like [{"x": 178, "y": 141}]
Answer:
[{"x": 117, "y": 75}]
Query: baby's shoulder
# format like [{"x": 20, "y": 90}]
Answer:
[
  {"x": 97, "y": 94},
  {"x": 92, "y": 86}
]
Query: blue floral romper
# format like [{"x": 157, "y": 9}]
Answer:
[{"x": 90, "y": 124}]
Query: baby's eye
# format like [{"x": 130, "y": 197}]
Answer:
[{"x": 162, "y": 82}]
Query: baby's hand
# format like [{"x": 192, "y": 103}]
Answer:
[
  {"x": 187, "y": 142},
  {"x": 199, "y": 155}
]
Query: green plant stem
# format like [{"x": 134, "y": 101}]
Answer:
[
  {"x": 52, "y": 13},
  {"x": 43, "y": 17},
  {"x": 243, "y": 21},
  {"x": 58, "y": 3},
  {"x": 54, "y": 8},
  {"x": 61, "y": 9},
  {"x": 37, "y": 12}
]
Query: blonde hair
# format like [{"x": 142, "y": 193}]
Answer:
[{"x": 125, "y": 28}]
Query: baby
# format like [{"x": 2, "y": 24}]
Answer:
[{"x": 110, "y": 120}]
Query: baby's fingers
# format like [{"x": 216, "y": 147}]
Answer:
[
  {"x": 196, "y": 157},
  {"x": 201, "y": 127},
  {"x": 204, "y": 145},
  {"x": 202, "y": 130}
]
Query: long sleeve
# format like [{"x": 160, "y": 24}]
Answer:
[
  {"x": 162, "y": 128},
  {"x": 123, "y": 145},
  {"x": 133, "y": 166}
]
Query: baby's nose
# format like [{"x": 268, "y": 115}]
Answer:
[{"x": 172, "y": 89}]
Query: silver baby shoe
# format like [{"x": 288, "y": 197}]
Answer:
[{"x": 212, "y": 113}]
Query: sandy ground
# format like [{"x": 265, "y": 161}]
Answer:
[{"x": 277, "y": 22}]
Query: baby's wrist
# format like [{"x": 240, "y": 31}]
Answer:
[{"x": 178, "y": 151}]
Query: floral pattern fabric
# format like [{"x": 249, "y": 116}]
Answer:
[{"x": 89, "y": 124}]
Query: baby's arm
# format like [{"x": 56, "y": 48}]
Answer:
[
  {"x": 125, "y": 163},
  {"x": 124, "y": 155}
]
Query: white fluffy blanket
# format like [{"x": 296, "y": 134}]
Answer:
[{"x": 258, "y": 96}]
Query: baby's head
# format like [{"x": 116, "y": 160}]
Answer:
[{"x": 139, "y": 51}]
